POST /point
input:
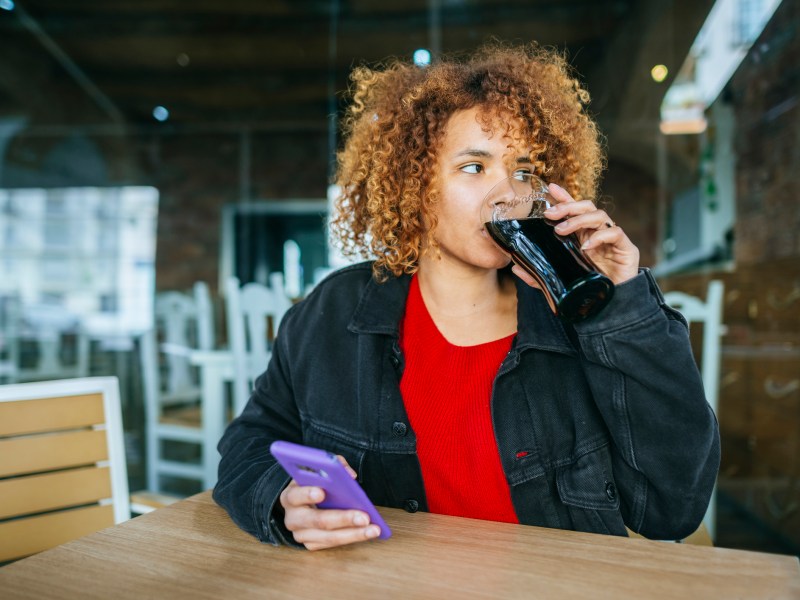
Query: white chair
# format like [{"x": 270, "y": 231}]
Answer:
[
  {"x": 174, "y": 410},
  {"x": 709, "y": 313},
  {"x": 62, "y": 463},
  {"x": 9, "y": 338},
  {"x": 254, "y": 313}
]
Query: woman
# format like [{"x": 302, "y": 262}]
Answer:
[{"x": 446, "y": 382}]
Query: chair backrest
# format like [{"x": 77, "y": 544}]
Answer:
[
  {"x": 254, "y": 313},
  {"x": 62, "y": 463},
  {"x": 709, "y": 313},
  {"x": 183, "y": 323},
  {"x": 205, "y": 316}
]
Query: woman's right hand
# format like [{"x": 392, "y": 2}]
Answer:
[{"x": 319, "y": 528}]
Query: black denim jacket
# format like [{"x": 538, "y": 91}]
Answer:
[{"x": 600, "y": 425}]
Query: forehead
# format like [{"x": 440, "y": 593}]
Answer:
[{"x": 477, "y": 125}]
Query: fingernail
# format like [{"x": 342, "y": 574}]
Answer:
[
  {"x": 587, "y": 244},
  {"x": 315, "y": 495},
  {"x": 561, "y": 226},
  {"x": 360, "y": 520},
  {"x": 373, "y": 531},
  {"x": 558, "y": 187}
]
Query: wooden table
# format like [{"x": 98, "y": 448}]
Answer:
[{"x": 192, "y": 550}]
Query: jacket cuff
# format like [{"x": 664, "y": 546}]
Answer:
[
  {"x": 267, "y": 512},
  {"x": 634, "y": 300}
]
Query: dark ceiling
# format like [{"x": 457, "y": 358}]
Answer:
[{"x": 283, "y": 64}]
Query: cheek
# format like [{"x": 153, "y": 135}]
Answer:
[{"x": 462, "y": 205}]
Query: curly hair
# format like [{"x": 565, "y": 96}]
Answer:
[{"x": 395, "y": 124}]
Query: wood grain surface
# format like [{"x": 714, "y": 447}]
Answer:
[{"x": 192, "y": 550}]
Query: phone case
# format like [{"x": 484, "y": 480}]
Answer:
[{"x": 312, "y": 466}]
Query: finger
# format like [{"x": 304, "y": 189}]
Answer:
[
  {"x": 559, "y": 212},
  {"x": 524, "y": 275},
  {"x": 606, "y": 236},
  {"x": 559, "y": 194},
  {"x": 301, "y": 518},
  {"x": 595, "y": 219},
  {"x": 296, "y": 495},
  {"x": 533, "y": 282},
  {"x": 350, "y": 470},
  {"x": 315, "y": 539}
]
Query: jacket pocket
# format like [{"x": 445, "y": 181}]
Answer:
[
  {"x": 334, "y": 442},
  {"x": 587, "y": 488}
]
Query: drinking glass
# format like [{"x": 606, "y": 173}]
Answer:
[{"x": 513, "y": 214}]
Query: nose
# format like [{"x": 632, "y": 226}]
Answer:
[{"x": 502, "y": 192}]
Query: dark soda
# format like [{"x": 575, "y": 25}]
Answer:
[{"x": 574, "y": 287}]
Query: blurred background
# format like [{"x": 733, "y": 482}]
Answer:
[{"x": 154, "y": 147}]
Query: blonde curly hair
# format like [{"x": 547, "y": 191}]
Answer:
[{"x": 395, "y": 124}]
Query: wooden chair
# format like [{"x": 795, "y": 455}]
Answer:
[
  {"x": 709, "y": 313},
  {"x": 62, "y": 463},
  {"x": 254, "y": 313},
  {"x": 173, "y": 398}
]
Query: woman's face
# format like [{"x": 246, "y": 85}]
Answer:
[{"x": 470, "y": 161}]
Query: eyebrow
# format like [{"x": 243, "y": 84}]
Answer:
[
  {"x": 484, "y": 154},
  {"x": 474, "y": 152}
]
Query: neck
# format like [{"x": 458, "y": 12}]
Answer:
[
  {"x": 459, "y": 292},
  {"x": 469, "y": 306}
]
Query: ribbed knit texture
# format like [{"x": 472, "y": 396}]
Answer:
[{"x": 447, "y": 393}]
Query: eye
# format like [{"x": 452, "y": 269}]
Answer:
[
  {"x": 473, "y": 168},
  {"x": 520, "y": 173}
]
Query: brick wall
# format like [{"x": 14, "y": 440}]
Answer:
[
  {"x": 198, "y": 175},
  {"x": 766, "y": 95},
  {"x": 759, "y": 404}
]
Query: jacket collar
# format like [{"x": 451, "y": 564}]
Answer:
[{"x": 381, "y": 307}]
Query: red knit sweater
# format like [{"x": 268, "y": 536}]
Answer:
[{"x": 447, "y": 392}]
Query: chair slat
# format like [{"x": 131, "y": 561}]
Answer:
[
  {"x": 38, "y": 493},
  {"x": 23, "y": 537},
  {"x": 49, "y": 452},
  {"x": 50, "y": 414},
  {"x": 145, "y": 501}
]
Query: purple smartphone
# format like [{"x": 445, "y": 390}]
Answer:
[{"x": 312, "y": 466}]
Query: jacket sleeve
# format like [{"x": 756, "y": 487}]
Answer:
[
  {"x": 250, "y": 479},
  {"x": 648, "y": 388}
]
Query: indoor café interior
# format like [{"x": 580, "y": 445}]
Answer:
[{"x": 170, "y": 172}]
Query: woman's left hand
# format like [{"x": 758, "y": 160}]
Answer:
[{"x": 604, "y": 242}]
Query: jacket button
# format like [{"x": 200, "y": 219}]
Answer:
[
  {"x": 611, "y": 491},
  {"x": 395, "y": 361},
  {"x": 399, "y": 429},
  {"x": 411, "y": 505}
]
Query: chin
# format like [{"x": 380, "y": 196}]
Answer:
[{"x": 498, "y": 262}]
